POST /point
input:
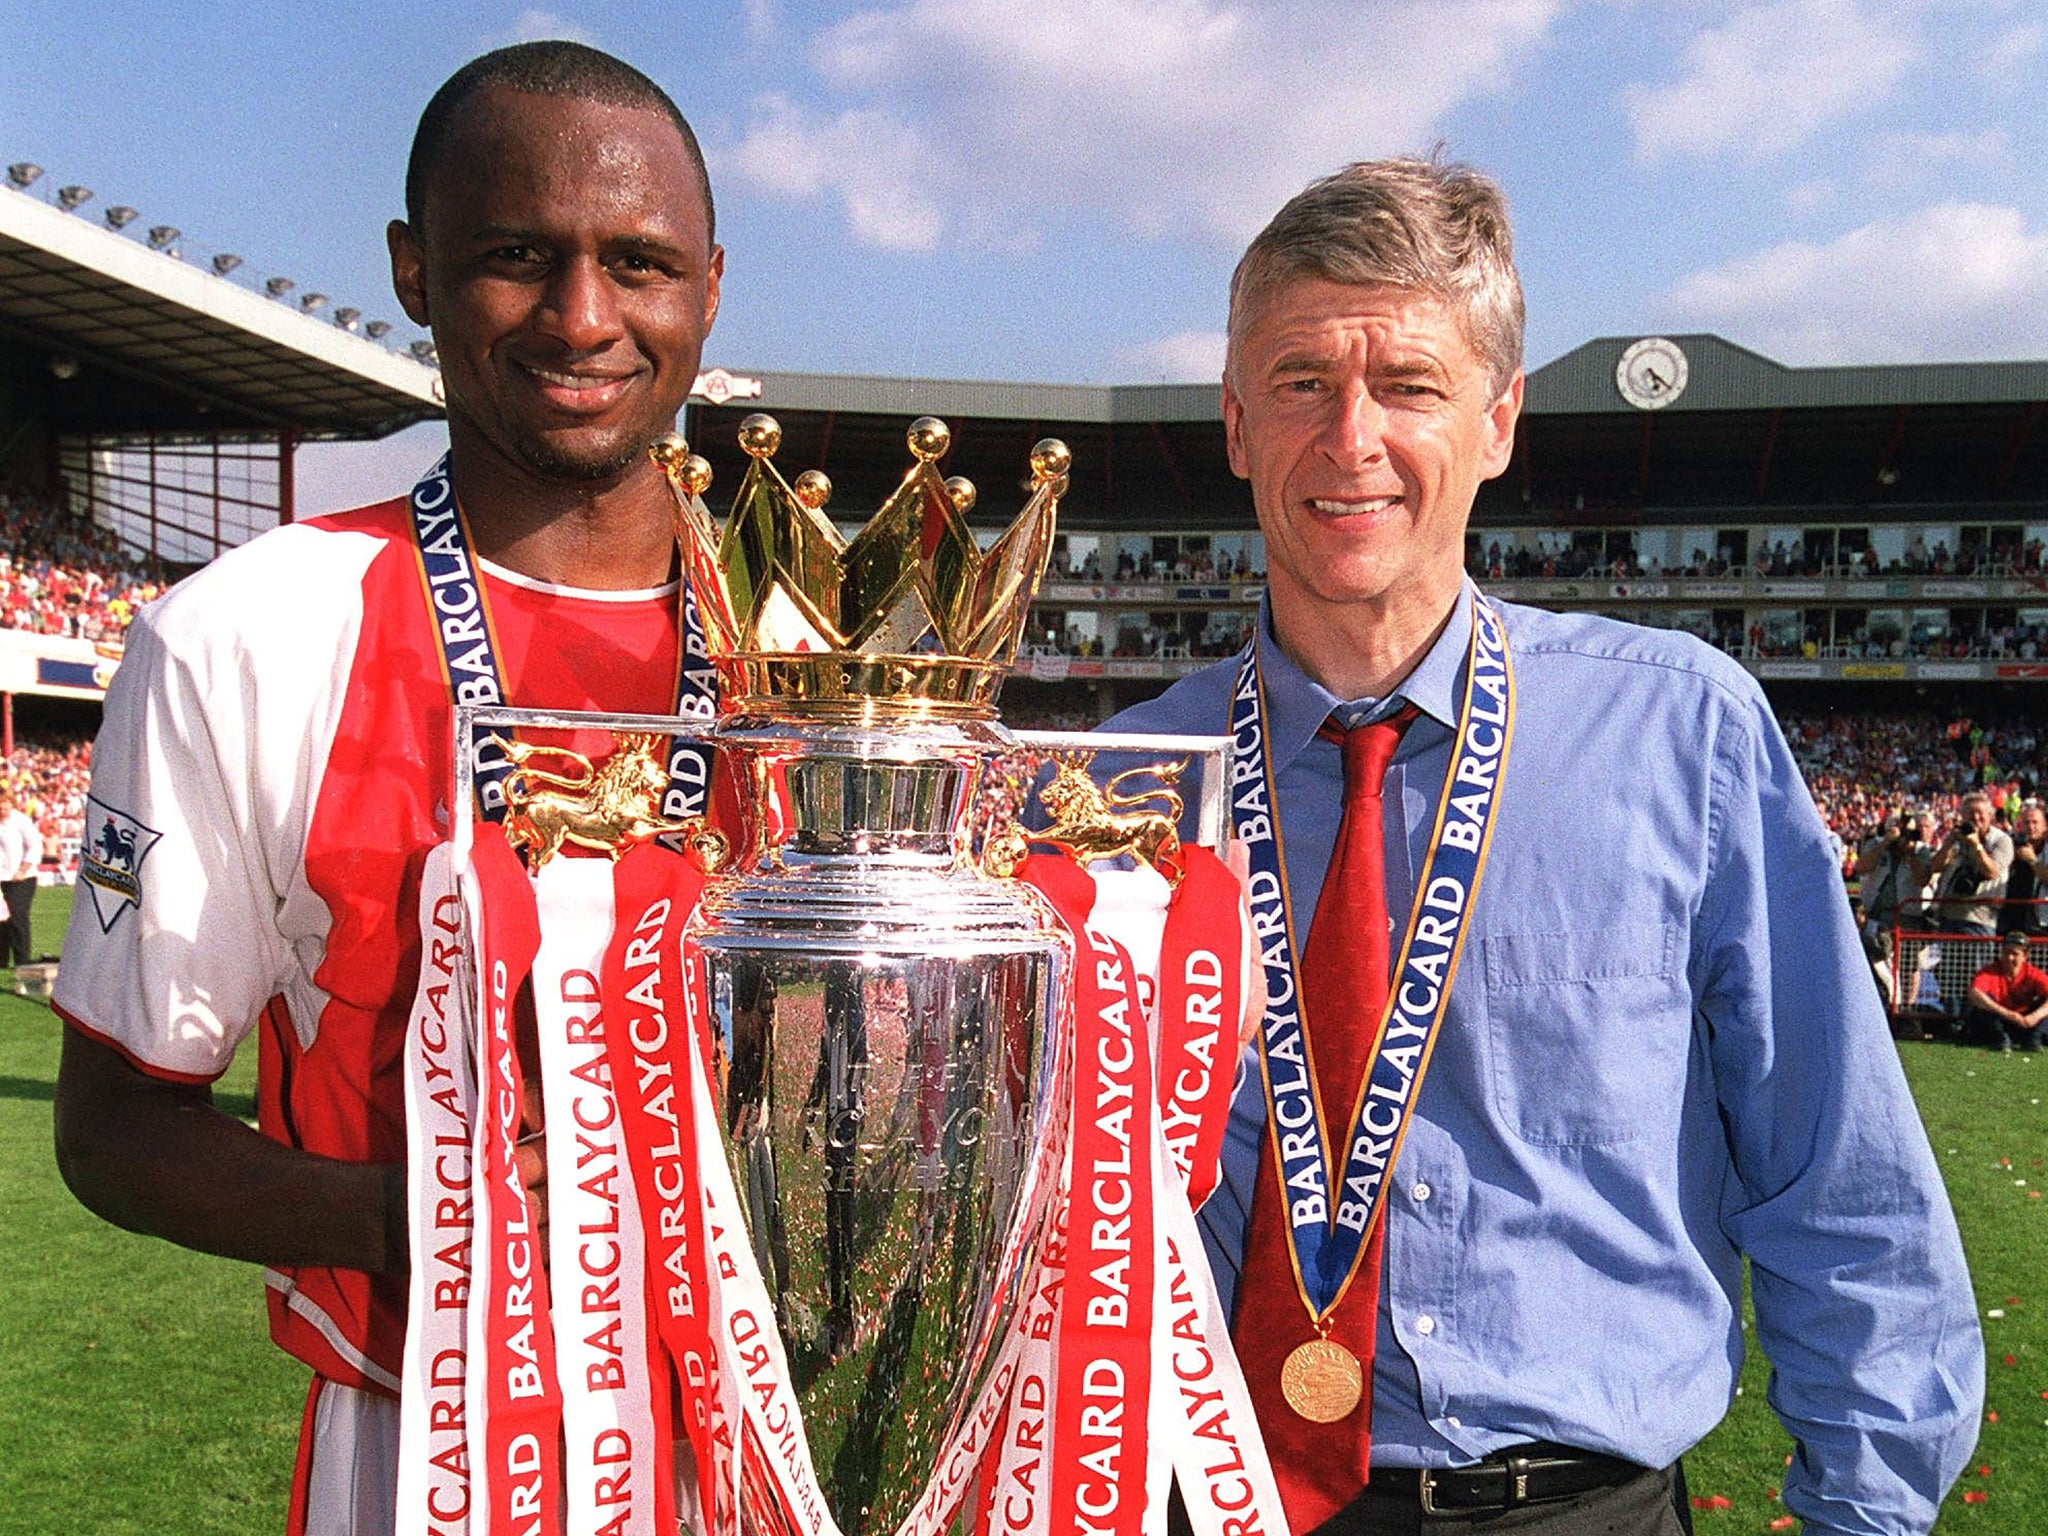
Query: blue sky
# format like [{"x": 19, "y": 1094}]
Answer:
[{"x": 1057, "y": 189}]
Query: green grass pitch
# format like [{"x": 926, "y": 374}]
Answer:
[{"x": 139, "y": 1392}]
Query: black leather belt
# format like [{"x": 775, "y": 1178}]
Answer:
[{"x": 1523, "y": 1474}]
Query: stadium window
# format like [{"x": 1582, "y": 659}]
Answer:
[
  {"x": 1850, "y": 628},
  {"x": 1783, "y": 630},
  {"x": 1819, "y": 545},
  {"x": 1851, "y": 544}
]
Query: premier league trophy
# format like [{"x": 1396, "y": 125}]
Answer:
[
  {"x": 815, "y": 1080},
  {"x": 881, "y": 996}
]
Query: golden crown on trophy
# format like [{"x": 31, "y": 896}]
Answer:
[{"x": 909, "y": 614}]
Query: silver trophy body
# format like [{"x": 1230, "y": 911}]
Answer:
[{"x": 882, "y": 1010}]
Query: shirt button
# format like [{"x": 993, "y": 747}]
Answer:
[
  {"x": 1425, "y": 1325},
  {"x": 1420, "y": 1191}
]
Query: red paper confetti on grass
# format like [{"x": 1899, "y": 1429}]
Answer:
[
  {"x": 1991, "y": 1416},
  {"x": 1983, "y": 1471},
  {"x": 2012, "y": 1359},
  {"x": 1712, "y": 1501},
  {"x": 1782, "y": 1523},
  {"x": 1975, "y": 1496},
  {"x": 2012, "y": 1301}
]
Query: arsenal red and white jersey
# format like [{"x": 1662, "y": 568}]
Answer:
[{"x": 276, "y": 759}]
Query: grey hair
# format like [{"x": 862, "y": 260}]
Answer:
[{"x": 1431, "y": 226}]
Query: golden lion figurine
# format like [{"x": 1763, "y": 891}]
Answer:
[
  {"x": 1100, "y": 823},
  {"x": 609, "y": 807}
]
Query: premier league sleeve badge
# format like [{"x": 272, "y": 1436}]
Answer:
[{"x": 110, "y": 864}]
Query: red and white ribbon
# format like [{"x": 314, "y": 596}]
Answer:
[
  {"x": 1113, "y": 1375},
  {"x": 440, "y": 1105},
  {"x": 612, "y": 1371},
  {"x": 651, "y": 1038}
]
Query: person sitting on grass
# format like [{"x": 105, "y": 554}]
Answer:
[{"x": 2008, "y": 999}]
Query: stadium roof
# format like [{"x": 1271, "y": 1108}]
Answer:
[
  {"x": 1743, "y": 436},
  {"x": 1725, "y": 377},
  {"x": 169, "y": 347}
]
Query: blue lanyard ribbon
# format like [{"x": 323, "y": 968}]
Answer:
[
  {"x": 1334, "y": 1203},
  {"x": 461, "y": 619}
]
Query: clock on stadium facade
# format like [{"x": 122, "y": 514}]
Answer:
[{"x": 1651, "y": 373}]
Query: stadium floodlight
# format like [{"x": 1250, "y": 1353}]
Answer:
[
  {"x": 68, "y": 198},
  {"x": 119, "y": 216},
  {"x": 311, "y": 301},
  {"x": 377, "y": 330},
  {"x": 63, "y": 366},
  {"x": 226, "y": 262},
  {"x": 347, "y": 318},
  {"x": 24, "y": 173},
  {"x": 163, "y": 236},
  {"x": 424, "y": 352},
  {"x": 278, "y": 287}
]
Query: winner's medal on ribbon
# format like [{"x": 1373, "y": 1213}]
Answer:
[
  {"x": 1322, "y": 1381},
  {"x": 1328, "y": 1233}
]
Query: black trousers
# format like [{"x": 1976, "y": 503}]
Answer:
[
  {"x": 15, "y": 940},
  {"x": 1653, "y": 1504}
]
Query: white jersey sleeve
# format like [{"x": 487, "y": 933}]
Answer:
[{"x": 192, "y": 910}]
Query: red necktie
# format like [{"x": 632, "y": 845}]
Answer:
[{"x": 1344, "y": 974}]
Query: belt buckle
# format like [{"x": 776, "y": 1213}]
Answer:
[
  {"x": 1514, "y": 1491},
  {"x": 1425, "y": 1483}
]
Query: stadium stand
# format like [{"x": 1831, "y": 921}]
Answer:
[
  {"x": 60, "y": 575},
  {"x": 50, "y": 780}
]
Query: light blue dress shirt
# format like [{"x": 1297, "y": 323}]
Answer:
[{"x": 1663, "y": 1052}]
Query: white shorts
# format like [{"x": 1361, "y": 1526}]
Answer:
[{"x": 347, "y": 1484}]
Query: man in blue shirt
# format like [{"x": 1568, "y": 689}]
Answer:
[{"x": 1658, "y": 1051}]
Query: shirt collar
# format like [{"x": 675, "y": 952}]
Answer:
[{"x": 1297, "y": 705}]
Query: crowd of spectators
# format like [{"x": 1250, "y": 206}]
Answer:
[
  {"x": 49, "y": 780},
  {"x": 1204, "y": 566},
  {"x": 62, "y": 575},
  {"x": 1777, "y": 559},
  {"x": 1862, "y": 767}
]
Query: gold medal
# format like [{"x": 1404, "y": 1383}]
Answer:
[{"x": 1322, "y": 1381}]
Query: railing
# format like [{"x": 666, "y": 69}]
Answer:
[{"x": 1925, "y": 978}]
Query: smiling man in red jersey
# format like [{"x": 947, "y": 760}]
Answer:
[{"x": 276, "y": 757}]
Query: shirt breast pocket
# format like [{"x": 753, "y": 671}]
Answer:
[{"x": 1586, "y": 1033}]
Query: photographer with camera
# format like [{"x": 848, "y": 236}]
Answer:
[
  {"x": 1893, "y": 869},
  {"x": 2024, "y": 889},
  {"x": 1971, "y": 867}
]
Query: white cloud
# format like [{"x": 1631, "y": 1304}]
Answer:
[
  {"x": 536, "y": 25},
  {"x": 2006, "y": 57},
  {"x": 1769, "y": 77},
  {"x": 1909, "y": 157},
  {"x": 859, "y": 155},
  {"x": 1186, "y": 357},
  {"x": 1952, "y": 282},
  {"x": 968, "y": 118}
]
